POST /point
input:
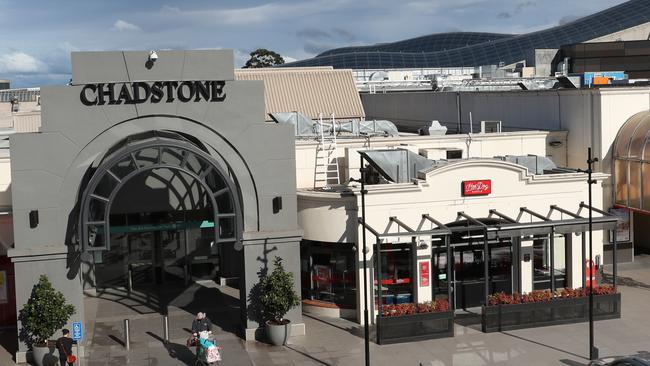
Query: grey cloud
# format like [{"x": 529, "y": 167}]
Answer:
[
  {"x": 504, "y": 15},
  {"x": 520, "y": 6},
  {"x": 313, "y": 33},
  {"x": 344, "y": 33}
]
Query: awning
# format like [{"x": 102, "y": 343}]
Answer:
[{"x": 505, "y": 226}]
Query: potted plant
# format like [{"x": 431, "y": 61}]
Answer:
[
  {"x": 277, "y": 297},
  {"x": 44, "y": 313}
]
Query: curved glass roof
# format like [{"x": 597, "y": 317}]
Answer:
[
  {"x": 506, "y": 49},
  {"x": 428, "y": 43},
  {"x": 632, "y": 162}
]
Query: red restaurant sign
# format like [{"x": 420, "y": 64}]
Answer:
[
  {"x": 477, "y": 187},
  {"x": 424, "y": 273}
]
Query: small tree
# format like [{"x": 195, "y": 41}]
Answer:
[
  {"x": 277, "y": 294},
  {"x": 262, "y": 57},
  {"x": 44, "y": 313}
]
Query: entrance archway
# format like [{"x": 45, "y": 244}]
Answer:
[{"x": 144, "y": 197}]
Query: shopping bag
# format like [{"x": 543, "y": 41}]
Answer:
[{"x": 213, "y": 354}]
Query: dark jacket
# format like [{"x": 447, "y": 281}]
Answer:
[
  {"x": 64, "y": 346},
  {"x": 201, "y": 325}
]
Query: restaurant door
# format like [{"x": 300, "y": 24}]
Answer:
[{"x": 468, "y": 272}]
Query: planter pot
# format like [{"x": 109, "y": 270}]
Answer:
[
  {"x": 499, "y": 318},
  {"x": 44, "y": 355},
  {"x": 415, "y": 327},
  {"x": 278, "y": 334}
]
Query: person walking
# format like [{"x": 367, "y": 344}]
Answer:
[{"x": 64, "y": 346}]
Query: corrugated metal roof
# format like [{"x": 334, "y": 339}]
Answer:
[{"x": 308, "y": 90}]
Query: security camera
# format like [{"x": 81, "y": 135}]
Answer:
[{"x": 153, "y": 56}]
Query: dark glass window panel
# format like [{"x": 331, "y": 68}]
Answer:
[
  {"x": 96, "y": 210},
  {"x": 172, "y": 156},
  {"x": 226, "y": 228},
  {"x": 105, "y": 186},
  {"x": 147, "y": 157},
  {"x": 124, "y": 167}
]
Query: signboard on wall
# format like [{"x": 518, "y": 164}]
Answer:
[
  {"x": 622, "y": 226},
  {"x": 322, "y": 278},
  {"x": 424, "y": 274},
  {"x": 3, "y": 287},
  {"x": 481, "y": 187}
]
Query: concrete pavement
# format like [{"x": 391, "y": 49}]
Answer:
[{"x": 340, "y": 342}]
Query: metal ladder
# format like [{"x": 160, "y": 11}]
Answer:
[{"x": 326, "y": 172}]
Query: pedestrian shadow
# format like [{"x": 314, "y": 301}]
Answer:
[{"x": 181, "y": 353}]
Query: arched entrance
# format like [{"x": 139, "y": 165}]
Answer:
[{"x": 159, "y": 210}]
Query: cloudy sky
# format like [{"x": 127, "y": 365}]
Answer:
[{"x": 37, "y": 36}]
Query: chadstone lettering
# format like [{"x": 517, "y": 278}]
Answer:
[{"x": 154, "y": 92}]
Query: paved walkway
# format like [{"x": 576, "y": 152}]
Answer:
[{"x": 340, "y": 342}]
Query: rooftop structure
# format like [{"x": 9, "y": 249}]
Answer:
[{"x": 475, "y": 49}]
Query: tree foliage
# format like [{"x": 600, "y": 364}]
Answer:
[
  {"x": 277, "y": 295},
  {"x": 262, "y": 57},
  {"x": 44, "y": 313}
]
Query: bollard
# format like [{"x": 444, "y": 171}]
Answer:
[
  {"x": 129, "y": 280},
  {"x": 166, "y": 328},
  {"x": 127, "y": 335}
]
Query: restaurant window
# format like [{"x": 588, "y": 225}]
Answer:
[
  {"x": 328, "y": 273},
  {"x": 397, "y": 279},
  {"x": 542, "y": 262}
]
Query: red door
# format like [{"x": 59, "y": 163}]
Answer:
[{"x": 8, "y": 308}]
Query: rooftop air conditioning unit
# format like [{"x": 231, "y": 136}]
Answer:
[{"x": 490, "y": 126}]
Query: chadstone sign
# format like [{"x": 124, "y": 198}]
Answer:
[{"x": 155, "y": 92}]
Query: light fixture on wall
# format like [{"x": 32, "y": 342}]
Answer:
[
  {"x": 555, "y": 143},
  {"x": 423, "y": 245},
  {"x": 151, "y": 59}
]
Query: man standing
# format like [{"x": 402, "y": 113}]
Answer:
[{"x": 64, "y": 346}]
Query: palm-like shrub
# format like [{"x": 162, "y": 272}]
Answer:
[
  {"x": 44, "y": 313},
  {"x": 277, "y": 295}
]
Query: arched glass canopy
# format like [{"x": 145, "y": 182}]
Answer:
[
  {"x": 172, "y": 159},
  {"x": 632, "y": 163}
]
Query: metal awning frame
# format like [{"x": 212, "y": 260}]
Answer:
[{"x": 509, "y": 229}]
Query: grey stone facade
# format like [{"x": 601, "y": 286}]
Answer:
[{"x": 50, "y": 169}]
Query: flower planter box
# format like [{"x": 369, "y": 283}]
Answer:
[
  {"x": 415, "y": 327},
  {"x": 498, "y": 318}
]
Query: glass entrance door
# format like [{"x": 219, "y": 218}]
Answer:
[
  {"x": 172, "y": 251},
  {"x": 468, "y": 272},
  {"x": 157, "y": 258},
  {"x": 141, "y": 259}
]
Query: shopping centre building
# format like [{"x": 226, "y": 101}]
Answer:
[{"x": 161, "y": 172}]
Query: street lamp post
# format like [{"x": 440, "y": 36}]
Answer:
[
  {"x": 593, "y": 351},
  {"x": 362, "y": 169}
]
